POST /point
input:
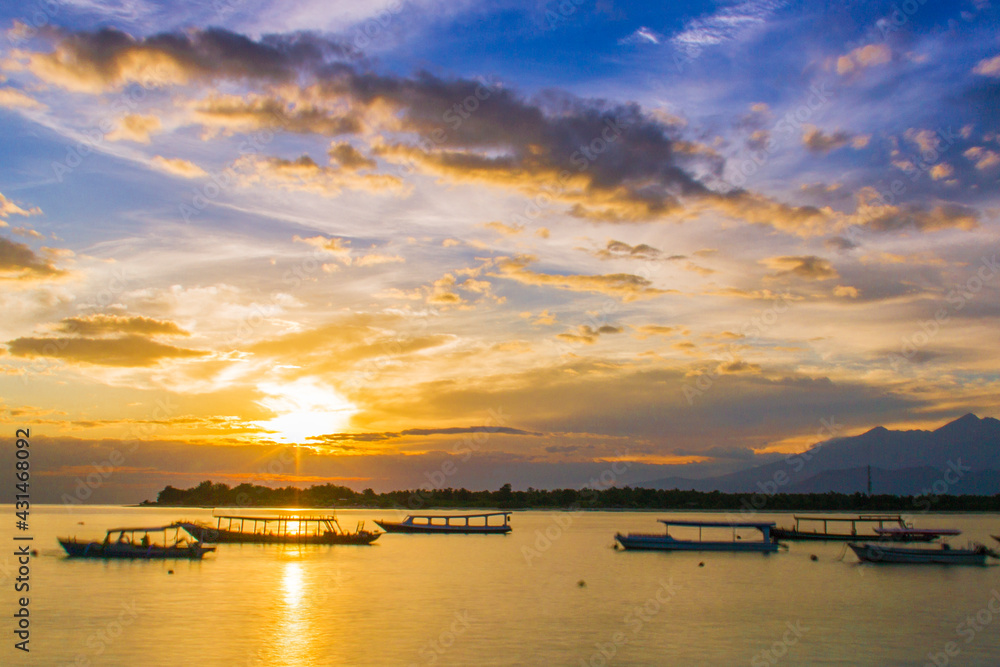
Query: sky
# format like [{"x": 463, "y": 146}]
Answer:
[{"x": 435, "y": 244}]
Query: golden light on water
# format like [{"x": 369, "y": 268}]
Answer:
[{"x": 304, "y": 408}]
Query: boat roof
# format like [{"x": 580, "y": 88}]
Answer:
[
  {"x": 158, "y": 529},
  {"x": 455, "y": 516},
  {"x": 918, "y": 531},
  {"x": 849, "y": 519},
  {"x": 276, "y": 517},
  {"x": 719, "y": 524}
]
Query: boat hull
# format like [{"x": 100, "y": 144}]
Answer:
[
  {"x": 394, "y": 527},
  {"x": 876, "y": 553},
  {"x": 77, "y": 549},
  {"x": 803, "y": 536},
  {"x": 638, "y": 542},
  {"x": 216, "y": 536}
]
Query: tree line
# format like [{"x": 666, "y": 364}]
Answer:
[{"x": 208, "y": 494}]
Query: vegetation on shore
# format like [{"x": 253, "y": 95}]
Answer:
[{"x": 208, "y": 494}]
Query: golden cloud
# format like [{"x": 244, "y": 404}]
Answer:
[
  {"x": 100, "y": 324},
  {"x": 807, "y": 267},
  {"x": 135, "y": 127},
  {"x": 12, "y": 98},
  {"x": 178, "y": 167},
  {"x": 626, "y": 286},
  {"x": 863, "y": 57}
]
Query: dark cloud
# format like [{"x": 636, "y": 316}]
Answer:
[
  {"x": 129, "y": 350},
  {"x": 96, "y": 325},
  {"x": 19, "y": 262},
  {"x": 410, "y": 432}
]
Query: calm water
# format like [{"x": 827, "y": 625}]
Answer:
[{"x": 514, "y": 600}]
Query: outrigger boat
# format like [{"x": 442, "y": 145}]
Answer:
[
  {"x": 122, "y": 543},
  {"x": 280, "y": 529},
  {"x": 975, "y": 554},
  {"x": 666, "y": 542},
  {"x": 468, "y": 524},
  {"x": 898, "y": 530}
]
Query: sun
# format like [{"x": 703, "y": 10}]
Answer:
[{"x": 304, "y": 408}]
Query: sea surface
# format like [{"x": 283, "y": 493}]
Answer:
[{"x": 553, "y": 592}]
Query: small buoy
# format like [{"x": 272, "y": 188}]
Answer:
[
  {"x": 581, "y": 583},
  {"x": 34, "y": 552},
  {"x": 813, "y": 557},
  {"x": 79, "y": 523},
  {"x": 701, "y": 564},
  {"x": 170, "y": 571}
]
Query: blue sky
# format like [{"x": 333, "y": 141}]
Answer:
[{"x": 678, "y": 236}]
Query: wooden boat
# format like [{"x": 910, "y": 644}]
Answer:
[
  {"x": 281, "y": 528},
  {"x": 975, "y": 554},
  {"x": 898, "y": 530},
  {"x": 666, "y": 542},
  {"x": 467, "y": 524},
  {"x": 127, "y": 543}
]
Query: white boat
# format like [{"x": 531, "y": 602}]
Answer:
[
  {"x": 667, "y": 542},
  {"x": 975, "y": 554}
]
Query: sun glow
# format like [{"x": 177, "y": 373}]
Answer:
[{"x": 304, "y": 408}]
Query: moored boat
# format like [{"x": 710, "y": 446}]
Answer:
[
  {"x": 943, "y": 554},
  {"x": 807, "y": 528},
  {"x": 465, "y": 524},
  {"x": 667, "y": 542},
  {"x": 127, "y": 543},
  {"x": 281, "y": 528}
]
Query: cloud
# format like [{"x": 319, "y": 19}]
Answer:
[
  {"x": 100, "y": 324},
  {"x": 988, "y": 67},
  {"x": 9, "y": 208},
  {"x": 644, "y": 331},
  {"x": 232, "y": 113},
  {"x": 872, "y": 214},
  {"x": 332, "y": 438},
  {"x": 348, "y": 157},
  {"x": 618, "y": 249},
  {"x": 807, "y": 267},
  {"x": 588, "y": 335},
  {"x": 846, "y": 291},
  {"x": 504, "y": 228},
  {"x": 178, "y": 167},
  {"x": 941, "y": 170},
  {"x": 643, "y": 35},
  {"x": 727, "y": 24},
  {"x": 305, "y": 175},
  {"x": 340, "y": 248},
  {"x": 19, "y": 262},
  {"x": 625, "y": 286},
  {"x": 817, "y": 141},
  {"x": 108, "y": 59},
  {"x": 129, "y": 350},
  {"x": 12, "y": 98},
  {"x": 983, "y": 157},
  {"x": 602, "y": 161},
  {"x": 863, "y": 57},
  {"x": 135, "y": 127}
]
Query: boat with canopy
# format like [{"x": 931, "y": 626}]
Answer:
[
  {"x": 488, "y": 523},
  {"x": 282, "y": 528},
  {"x": 136, "y": 543},
  {"x": 888, "y": 527},
  {"x": 667, "y": 542}
]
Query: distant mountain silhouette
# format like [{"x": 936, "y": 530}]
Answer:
[{"x": 962, "y": 456}]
